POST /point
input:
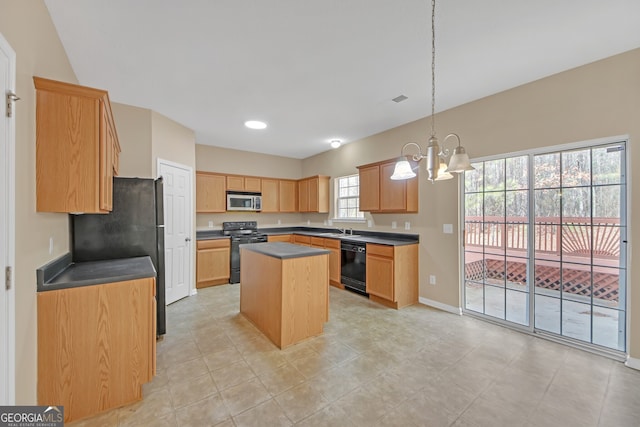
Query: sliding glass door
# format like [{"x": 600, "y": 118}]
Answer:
[{"x": 556, "y": 221}]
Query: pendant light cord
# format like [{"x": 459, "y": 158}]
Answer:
[{"x": 433, "y": 67}]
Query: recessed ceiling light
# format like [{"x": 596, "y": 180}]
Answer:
[
  {"x": 255, "y": 124},
  {"x": 335, "y": 143}
]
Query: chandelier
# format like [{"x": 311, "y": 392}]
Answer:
[{"x": 436, "y": 156}]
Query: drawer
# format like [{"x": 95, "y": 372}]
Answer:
[
  {"x": 216, "y": 243},
  {"x": 302, "y": 239},
  {"x": 317, "y": 241},
  {"x": 332, "y": 243},
  {"x": 380, "y": 250}
]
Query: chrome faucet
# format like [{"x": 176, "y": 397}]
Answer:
[{"x": 344, "y": 230}]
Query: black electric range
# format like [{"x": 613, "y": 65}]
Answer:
[{"x": 241, "y": 232}]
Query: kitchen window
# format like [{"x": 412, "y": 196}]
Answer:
[{"x": 348, "y": 198}]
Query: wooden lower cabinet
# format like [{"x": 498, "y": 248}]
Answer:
[
  {"x": 213, "y": 262},
  {"x": 96, "y": 346},
  {"x": 392, "y": 274},
  {"x": 335, "y": 261},
  {"x": 332, "y": 245}
]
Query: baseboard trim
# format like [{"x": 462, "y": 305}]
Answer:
[
  {"x": 441, "y": 306},
  {"x": 632, "y": 363}
]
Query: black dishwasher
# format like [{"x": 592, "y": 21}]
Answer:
[{"x": 354, "y": 266}]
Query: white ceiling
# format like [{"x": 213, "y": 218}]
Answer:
[{"x": 325, "y": 69}]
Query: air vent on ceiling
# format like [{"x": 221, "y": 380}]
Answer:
[{"x": 399, "y": 98}]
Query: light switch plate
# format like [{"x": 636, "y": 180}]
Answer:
[
  {"x": 210, "y": 224},
  {"x": 447, "y": 228},
  {"x": 407, "y": 225},
  {"x": 394, "y": 224}
]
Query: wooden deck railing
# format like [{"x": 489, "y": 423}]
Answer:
[{"x": 579, "y": 237}]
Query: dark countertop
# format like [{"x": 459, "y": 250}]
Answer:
[
  {"x": 62, "y": 273},
  {"x": 364, "y": 236},
  {"x": 284, "y": 250},
  {"x": 210, "y": 235}
]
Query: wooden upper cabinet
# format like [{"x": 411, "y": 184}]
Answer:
[
  {"x": 369, "y": 188},
  {"x": 77, "y": 148},
  {"x": 313, "y": 194},
  {"x": 244, "y": 183},
  {"x": 270, "y": 195},
  {"x": 380, "y": 194},
  {"x": 288, "y": 190},
  {"x": 210, "y": 193},
  {"x": 303, "y": 195}
]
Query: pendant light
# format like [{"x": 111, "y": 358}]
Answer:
[{"x": 436, "y": 165}]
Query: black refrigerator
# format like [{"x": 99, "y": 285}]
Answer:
[{"x": 135, "y": 227}]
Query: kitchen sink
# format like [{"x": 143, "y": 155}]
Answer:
[{"x": 338, "y": 235}]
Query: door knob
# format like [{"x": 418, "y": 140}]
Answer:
[{"x": 187, "y": 239}]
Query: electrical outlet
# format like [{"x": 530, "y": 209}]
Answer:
[
  {"x": 279, "y": 222},
  {"x": 326, "y": 222},
  {"x": 407, "y": 225},
  {"x": 394, "y": 224},
  {"x": 369, "y": 223},
  {"x": 447, "y": 228},
  {"x": 432, "y": 279},
  {"x": 210, "y": 224},
  {"x": 50, "y": 245},
  {"x": 308, "y": 222}
]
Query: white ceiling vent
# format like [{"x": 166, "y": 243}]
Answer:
[{"x": 399, "y": 98}]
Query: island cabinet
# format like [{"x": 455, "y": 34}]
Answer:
[
  {"x": 77, "y": 148},
  {"x": 96, "y": 345},
  {"x": 284, "y": 290},
  {"x": 244, "y": 183},
  {"x": 288, "y": 195},
  {"x": 210, "y": 193},
  {"x": 392, "y": 274},
  {"x": 212, "y": 262},
  {"x": 380, "y": 194},
  {"x": 313, "y": 194}
]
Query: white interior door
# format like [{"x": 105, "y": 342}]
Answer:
[
  {"x": 178, "y": 212},
  {"x": 7, "y": 226}
]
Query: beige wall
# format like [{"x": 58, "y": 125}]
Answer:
[
  {"x": 133, "y": 126},
  {"x": 224, "y": 160},
  {"x": 29, "y": 30},
  {"x": 597, "y": 100},
  {"x": 171, "y": 141}
]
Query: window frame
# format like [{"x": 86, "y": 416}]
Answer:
[{"x": 337, "y": 186}]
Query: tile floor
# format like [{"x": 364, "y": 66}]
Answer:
[{"x": 373, "y": 366}]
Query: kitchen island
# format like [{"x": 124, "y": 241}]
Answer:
[{"x": 284, "y": 290}]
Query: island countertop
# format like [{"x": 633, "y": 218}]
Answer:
[{"x": 282, "y": 250}]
